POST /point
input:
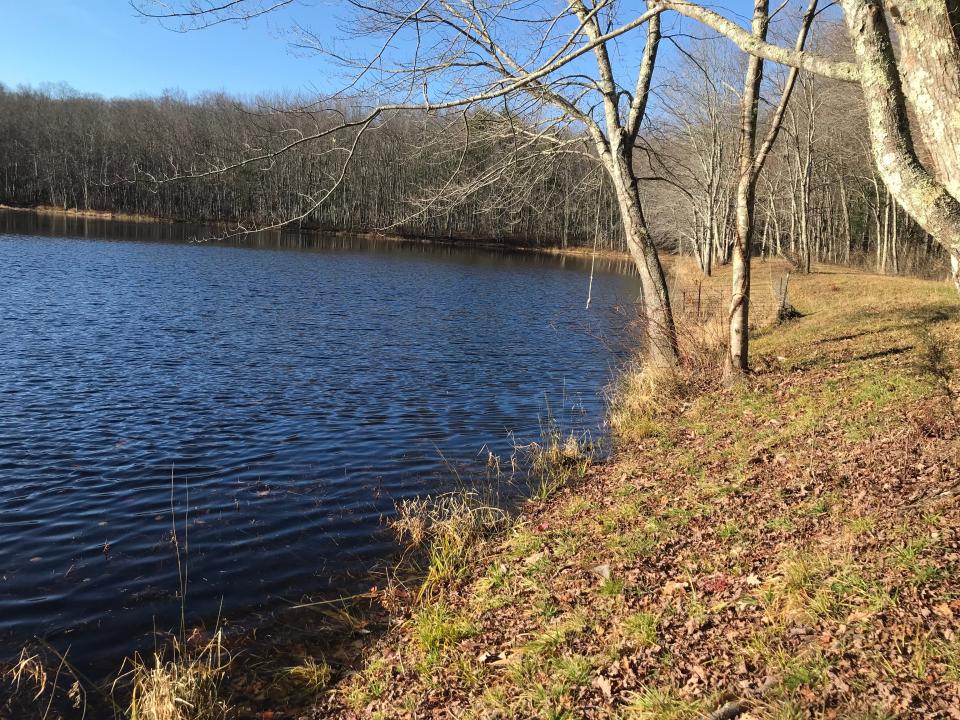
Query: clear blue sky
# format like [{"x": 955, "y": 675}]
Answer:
[{"x": 105, "y": 47}]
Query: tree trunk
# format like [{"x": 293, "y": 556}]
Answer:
[
  {"x": 845, "y": 206},
  {"x": 738, "y": 357},
  {"x": 930, "y": 68},
  {"x": 660, "y": 349},
  {"x": 928, "y": 201},
  {"x": 616, "y": 151}
]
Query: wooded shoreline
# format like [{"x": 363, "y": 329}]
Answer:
[{"x": 481, "y": 243}]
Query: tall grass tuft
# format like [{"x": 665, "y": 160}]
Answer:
[
  {"x": 182, "y": 680},
  {"x": 641, "y": 397},
  {"x": 445, "y": 531},
  {"x": 29, "y": 670},
  {"x": 449, "y": 528},
  {"x": 42, "y": 684},
  {"x": 183, "y": 684},
  {"x": 555, "y": 461}
]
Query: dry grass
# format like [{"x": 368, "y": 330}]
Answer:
[
  {"x": 311, "y": 675},
  {"x": 701, "y": 306},
  {"x": 447, "y": 529},
  {"x": 41, "y": 684},
  {"x": 180, "y": 684},
  {"x": 29, "y": 670},
  {"x": 442, "y": 534},
  {"x": 555, "y": 462},
  {"x": 641, "y": 397},
  {"x": 708, "y": 298}
]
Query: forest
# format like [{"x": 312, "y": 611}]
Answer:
[{"x": 70, "y": 151}]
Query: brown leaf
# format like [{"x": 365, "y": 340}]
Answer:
[{"x": 603, "y": 684}]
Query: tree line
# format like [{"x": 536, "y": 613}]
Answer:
[
  {"x": 72, "y": 151},
  {"x": 819, "y": 198}
]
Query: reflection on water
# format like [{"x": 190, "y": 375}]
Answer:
[{"x": 287, "y": 390}]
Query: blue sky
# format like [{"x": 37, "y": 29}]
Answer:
[{"x": 105, "y": 47}]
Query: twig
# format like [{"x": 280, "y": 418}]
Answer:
[{"x": 593, "y": 257}]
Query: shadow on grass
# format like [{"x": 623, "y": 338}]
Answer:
[
  {"x": 843, "y": 338},
  {"x": 933, "y": 314},
  {"x": 882, "y": 353}
]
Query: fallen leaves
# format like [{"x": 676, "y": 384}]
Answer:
[{"x": 604, "y": 685}]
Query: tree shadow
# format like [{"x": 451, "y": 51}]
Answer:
[
  {"x": 934, "y": 314},
  {"x": 888, "y": 352},
  {"x": 842, "y": 338}
]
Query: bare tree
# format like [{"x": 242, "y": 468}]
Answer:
[
  {"x": 929, "y": 64},
  {"x": 751, "y": 161},
  {"x": 692, "y": 145},
  {"x": 469, "y": 53}
]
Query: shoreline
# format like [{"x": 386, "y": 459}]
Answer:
[
  {"x": 480, "y": 243},
  {"x": 76, "y": 213},
  {"x": 744, "y": 550}
]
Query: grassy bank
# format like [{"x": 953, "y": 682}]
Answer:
[{"x": 785, "y": 548}]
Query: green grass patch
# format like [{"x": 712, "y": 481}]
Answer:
[
  {"x": 436, "y": 628},
  {"x": 642, "y": 628}
]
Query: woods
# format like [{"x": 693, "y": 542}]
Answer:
[
  {"x": 63, "y": 149},
  {"x": 923, "y": 78}
]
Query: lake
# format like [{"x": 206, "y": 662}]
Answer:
[{"x": 275, "y": 397}]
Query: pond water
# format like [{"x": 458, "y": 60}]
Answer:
[{"x": 275, "y": 397}]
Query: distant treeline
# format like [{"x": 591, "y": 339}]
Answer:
[
  {"x": 467, "y": 177},
  {"x": 72, "y": 151}
]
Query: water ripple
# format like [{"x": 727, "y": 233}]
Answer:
[{"x": 293, "y": 395}]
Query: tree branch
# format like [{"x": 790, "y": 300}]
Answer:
[{"x": 816, "y": 64}]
